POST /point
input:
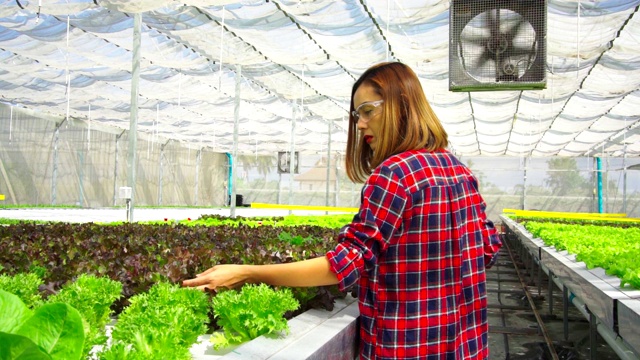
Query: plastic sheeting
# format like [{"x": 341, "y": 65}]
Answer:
[{"x": 300, "y": 58}]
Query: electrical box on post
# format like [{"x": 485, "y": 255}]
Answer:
[{"x": 125, "y": 192}]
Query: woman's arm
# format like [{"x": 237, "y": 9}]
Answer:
[{"x": 312, "y": 272}]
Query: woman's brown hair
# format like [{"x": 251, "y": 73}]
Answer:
[{"x": 407, "y": 120}]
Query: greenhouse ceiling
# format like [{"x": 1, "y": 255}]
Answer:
[{"x": 296, "y": 61}]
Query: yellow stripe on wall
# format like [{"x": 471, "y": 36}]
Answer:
[
  {"x": 559, "y": 213},
  {"x": 302, "y": 207},
  {"x": 570, "y": 215}
]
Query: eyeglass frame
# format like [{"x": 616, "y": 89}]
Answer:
[{"x": 356, "y": 113}]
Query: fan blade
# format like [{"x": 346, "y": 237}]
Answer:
[
  {"x": 474, "y": 39},
  {"x": 513, "y": 31},
  {"x": 483, "y": 59}
]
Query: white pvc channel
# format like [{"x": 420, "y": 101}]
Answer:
[{"x": 611, "y": 338}]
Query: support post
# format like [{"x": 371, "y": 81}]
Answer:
[
  {"x": 593, "y": 336},
  {"x": 624, "y": 179},
  {"x": 161, "y": 172},
  {"x": 292, "y": 154},
  {"x": 550, "y": 292},
  {"x": 54, "y": 172},
  {"x": 115, "y": 171},
  {"x": 539, "y": 273},
  {"x": 565, "y": 312},
  {"x": 198, "y": 162},
  {"x": 326, "y": 200},
  {"x": 236, "y": 129},
  {"x": 133, "y": 121},
  {"x": 523, "y": 203},
  {"x": 599, "y": 172}
]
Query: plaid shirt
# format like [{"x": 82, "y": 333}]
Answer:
[{"x": 418, "y": 248}]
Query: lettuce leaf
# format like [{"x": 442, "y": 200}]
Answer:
[
  {"x": 11, "y": 304},
  {"x": 17, "y": 347},
  {"x": 57, "y": 328},
  {"x": 254, "y": 311}
]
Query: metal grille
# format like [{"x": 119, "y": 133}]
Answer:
[{"x": 497, "y": 45}]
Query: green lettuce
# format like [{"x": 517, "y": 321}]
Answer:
[
  {"x": 254, "y": 311},
  {"x": 53, "y": 331}
]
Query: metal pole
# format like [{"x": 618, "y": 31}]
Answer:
[
  {"x": 128, "y": 207},
  {"x": 593, "y": 336},
  {"x": 565, "y": 312},
  {"x": 115, "y": 172},
  {"x": 80, "y": 177},
  {"x": 292, "y": 152},
  {"x": 279, "y": 201},
  {"x": 550, "y": 292},
  {"x": 337, "y": 192},
  {"x": 599, "y": 172},
  {"x": 198, "y": 161},
  {"x": 133, "y": 121},
  {"x": 326, "y": 199},
  {"x": 161, "y": 172},
  {"x": 524, "y": 186},
  {"x": 54, "y": 173},
  {"x": 624, "y": 179},
  {"x": 227, "y": 200},
  {"x": 236, "y": 127}
]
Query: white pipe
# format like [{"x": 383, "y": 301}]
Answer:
[{"x": 611, "y": 338}]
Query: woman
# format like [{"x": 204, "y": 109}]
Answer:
[{"x": 420, "y": 243}]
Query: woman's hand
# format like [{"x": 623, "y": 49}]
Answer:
[
  {"x": 312, "y": 272},
  {"x": 220, "y": 276}
]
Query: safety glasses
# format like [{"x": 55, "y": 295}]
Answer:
[{"x": 366, "y": 110}]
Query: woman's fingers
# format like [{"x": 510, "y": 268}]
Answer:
[
  {"x": 219, "y": 276},
  {"x": 193, "y": 282},
  {"x": 201, "y": 281},
  {"x": 206, "y": 271}
]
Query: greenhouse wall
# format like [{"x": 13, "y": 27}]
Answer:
[
  {"x": 46, "y": 160},
  {"x": 50, "y": 161}
]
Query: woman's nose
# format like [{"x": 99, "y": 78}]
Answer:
[{"x": 360, "y": 124}]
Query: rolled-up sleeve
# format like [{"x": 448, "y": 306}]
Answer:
[
  {"x": 372, "y": 229},
  {"x": 347, "y": 264}
]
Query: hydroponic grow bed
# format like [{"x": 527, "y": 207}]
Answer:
[
  {"x": 314, "y": 334},
  {"x": 615, "y": 307}
]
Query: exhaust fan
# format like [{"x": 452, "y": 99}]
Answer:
[{"x": 497, "y": 45}]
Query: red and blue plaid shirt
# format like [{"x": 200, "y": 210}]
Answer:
[{"x": 418, "y": 249}]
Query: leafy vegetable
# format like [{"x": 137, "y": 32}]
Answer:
[
  {"x": 137, "y": 255},
  {"x": 587, "y": 220},
  {"x": 334, "y": 221},
  {"x": 254, "y": 311},
  {"x": 53, "y": 331},
  {"x": 160, "y": 324},
  {"x": 11, "y": 304},
  {"x": 25, "y": 286},
  {"x": 615, "y": 249},
  {"x": 93, "y": 297},
  {"x": 57, "y": 328},
  {"x": 294, "y": 239},
  {"x": 20, "y": 347}
]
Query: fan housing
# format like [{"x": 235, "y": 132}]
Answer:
[{"x": 497, "y": 45}]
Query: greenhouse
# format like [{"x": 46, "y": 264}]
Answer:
[{"x": 157, "y": 113}]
